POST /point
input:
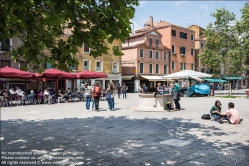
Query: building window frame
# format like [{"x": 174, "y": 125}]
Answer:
[
  {"x": 8, "y": 47},
  {"x": 173, "y": 49},
  {"x": 86, "y": 48},
  {"x": 141, "y": 68},
  {"x": 151, "y": 54},
  {"x": 192, "y": 38},
  {"x": 141, "y": 52},
  {"x": 173, "y": 65},
  {"x": 150, "y": 41},
  {"x": 157, "y": 68},
  {"x": 173, "y": 32},
  {"x": 151, "y": 68},
  {"x": 202, "y": 45},
  {"x": 100, "y": 68},
  {"x": 182, "y": 50},
  {"x": 183, "y": 35},
  {"x": 157, "y": 55},
  {"x": 164, "y": 69},
  {"x": 165, "y": 55},
  {"x": 88, "y": 67},
  {"x": 115, "y": 69},
  {"x": 183, "y": 66},
  {"x": 157, "y": 43},
  {"x": 192, "y": 66},
  {"x": 192, "y": 52}
]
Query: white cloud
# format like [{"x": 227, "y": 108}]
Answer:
[
  {"x": 178, "y": 3},
  {"x": 204, "y": 6}
]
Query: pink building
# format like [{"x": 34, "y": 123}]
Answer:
[
  {"x": 181, "y": 42},
  {"x": 145, "y": 59}
]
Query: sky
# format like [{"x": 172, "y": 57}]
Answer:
[{"x": 183, "y": 13}]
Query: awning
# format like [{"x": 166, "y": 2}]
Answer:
[
  {"x": 232, "y": 78},
  {"x": 127, "y": 77},
  {"x": 154, "y": 78},
  {"x": 214, "y": 80}
]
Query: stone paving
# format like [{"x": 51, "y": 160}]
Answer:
[{"x": 68, "y": 134}]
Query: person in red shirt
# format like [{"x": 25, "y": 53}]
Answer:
[
  {"x": 231, "y": 115},
  {"x": 97, "y": 94}
]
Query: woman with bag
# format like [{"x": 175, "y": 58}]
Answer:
[{"x": 97, "y": 94}]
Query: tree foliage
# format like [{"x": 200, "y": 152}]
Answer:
[
  {"x": 40, "y": 23},
  {"x": 227, "y": 44}
]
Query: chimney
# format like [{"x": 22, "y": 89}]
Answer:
[{"x": 151, "y": 21}]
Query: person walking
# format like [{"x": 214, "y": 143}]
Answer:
[
  {"x": 97, "y": 94},
  {"x": 88, "y": 93},
  {"x": 92, "y": 98},
  {"x": 176, "y": 95},
  {"x": 113, "y": 94},
  {"x": 119, "y": 90},
  {"x": 124, "y": 89}
]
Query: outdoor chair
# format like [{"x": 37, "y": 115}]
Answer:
[
  {"x": 46, "y": 98},
  {"x": 21, "y": 99}
]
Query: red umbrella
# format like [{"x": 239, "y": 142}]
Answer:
[
  {"x": 57, "y": 74},
  {"x": 9, "y": 72},
  {"x": 90, "y": 74}
]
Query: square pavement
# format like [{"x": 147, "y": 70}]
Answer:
[{"x": 68, "y": 134}]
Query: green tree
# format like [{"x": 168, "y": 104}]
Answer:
[
  {"x": 227, "y": 42},
  {"x": 40, "y": 23}
]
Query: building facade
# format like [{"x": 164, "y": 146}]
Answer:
[
  {"x": 145, "y": 59},
  {"x": 106, "y": 63},
  {"x": 180, "y": 40}
]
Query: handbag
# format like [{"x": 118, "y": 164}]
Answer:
[
  {"x": 108, "y": 96},
  {"x": 176, "y": 95}
]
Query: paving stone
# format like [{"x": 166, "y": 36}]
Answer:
[{"x": 125, "y": 136}]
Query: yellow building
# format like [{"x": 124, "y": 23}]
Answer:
[
  {"x": 106, "y": 63},
  {"x": 200, "y": 43}
]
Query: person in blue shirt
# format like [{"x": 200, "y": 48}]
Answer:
[{"x": 176, "y": 95}]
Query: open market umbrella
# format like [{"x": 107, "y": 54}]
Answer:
[
  {"x": 187, "y": 74},
  {"x": 57, "y": 74},
  {"x": 9, "y": 72},
  {"x": 86, "y": 74}
]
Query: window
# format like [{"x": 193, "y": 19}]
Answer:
[
  {"x": 183, "y": 35},
  {"x": 157, "y": 69},
  {"x": 202, "y": 45},
  {"x": 141, "y": 68},
  {"x": 173, "y": 65},
  {"x": 21, "y": 64},
  {"x": 6, "y": 45},
  {"x": 5, "y": 63},
  {"x": 115, "y": 67},
  {"x": 86, "y": 65},
  {"x": 157, "y": 42},
  {"x": 151, "y": 54},
  {"x": 151, "y": 68},
  {"x": 192, "y": 37},
  {"x": 47, "y": 65},
  {"x": 86, "y": 48},
  {"x": 157, "y": 55},
  {"x": 192, "y": 51},
  {"x": 99, "y": 65},
  {"x": 73, "y": 68},
  {"x": 202, "y": 70},
  {"x": 165, "y": 55},
  {"x": 150, "y": 41},
  {"x": 173, "y": 33},
  {"x": 173, "y": 49},
  {"x": 182, "y": 50},
  {"x": 164, "y": 69},
  {"x": 183, "y": 66},
  {"x": 192, "y": 66},
  {"x": 141, "y": 53},
  {"x": 211, "y": 71}
]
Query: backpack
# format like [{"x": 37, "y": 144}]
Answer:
[
  {"x": 206, "y": 116},
  {"x": 97, "y": 90}
]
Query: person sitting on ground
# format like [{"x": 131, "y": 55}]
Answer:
[
  {"x": 217, "y": 107},
  {"x": 231, "y": 115}
]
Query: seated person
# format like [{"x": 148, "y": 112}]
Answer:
[
  {"x": 31, "y": 95},
  {"x": 231, "y": 115},
  {"x": 159, "y": 89},
  {"x": 216, "y": 107}
]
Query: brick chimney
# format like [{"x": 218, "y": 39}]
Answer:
[{"x": 151, "y": 22}]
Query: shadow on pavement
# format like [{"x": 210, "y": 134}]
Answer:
[{"x": 116, "y": 141}]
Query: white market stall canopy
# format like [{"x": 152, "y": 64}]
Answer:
[{"x": 187, "y": 74}]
